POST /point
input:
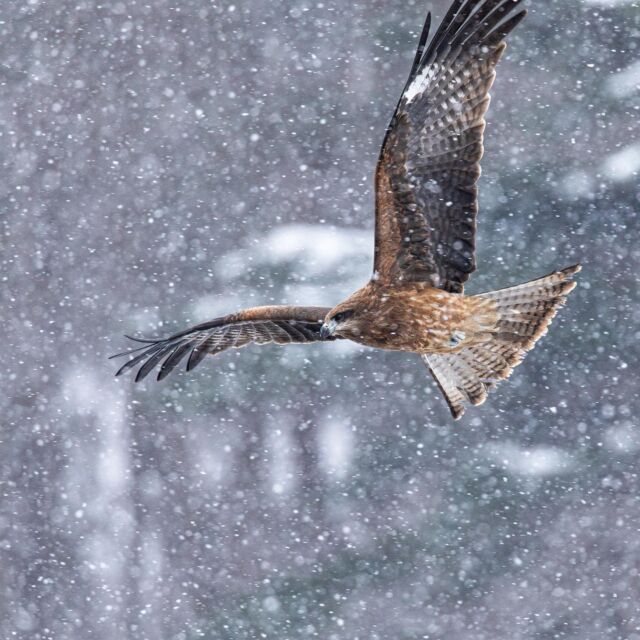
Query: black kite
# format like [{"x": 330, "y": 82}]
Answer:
[{"x": 426, "y": 206}]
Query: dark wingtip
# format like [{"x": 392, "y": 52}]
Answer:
[
  {"x": 141, "y": 375},
  {"x": 154, "y": 357},
  {"x": 191, "y": 362},
  {"x": 195, "y": 358},
  {"x": 146, "y": 368},
  {"x": 143, "y": 340},
  {"x": 502, "y": 30},
  {"x": 172, "y": 361},
  {"x": 153, "y": 350},
  {"x": 197, "y": 354},
  {"x": 129, "y": 364},
  {"x": 146, "y": 343},
  {"x": 147, "y": 352},
  {"x": 129, "y": 352},
  {"x": 422, "y": 44}
]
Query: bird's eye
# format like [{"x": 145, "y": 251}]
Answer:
[{"x": 342, "y": 316}]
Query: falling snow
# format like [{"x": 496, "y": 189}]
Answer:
[{"x": 167, "y": 162}]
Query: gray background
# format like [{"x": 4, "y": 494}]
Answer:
[{"x": 166, "y": 162}]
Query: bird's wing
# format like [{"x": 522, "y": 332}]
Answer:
[
  {"x": 261, "y": 325},
  {"x": 426, "y": 194}
]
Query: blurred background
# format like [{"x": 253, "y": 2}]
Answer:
[{"x": 167, "y": 162}]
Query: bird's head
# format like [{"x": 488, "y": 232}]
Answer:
[
  {"x": 351, "y": 318},
  {"x": 341, "y": 321}
]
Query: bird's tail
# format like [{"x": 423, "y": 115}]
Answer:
[{"x": 513, "y": 320}]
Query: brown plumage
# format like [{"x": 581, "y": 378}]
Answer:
[{"x": 426, "y": 207}]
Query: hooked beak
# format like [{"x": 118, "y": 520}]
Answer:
[{"x": 328, "y": 329}]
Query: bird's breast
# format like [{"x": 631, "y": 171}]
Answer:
[{"x": 416, "y": 320}]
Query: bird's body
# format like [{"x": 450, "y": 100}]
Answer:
[
  {"x": 413, "y": 317},
  {"x": 426, "y": 207}
]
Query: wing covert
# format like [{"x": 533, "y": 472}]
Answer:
[
  {"x": 259, "y": 325},
  {"x": 426, "y": 193}
]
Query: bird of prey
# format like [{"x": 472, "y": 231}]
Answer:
[{"x": 425, "y": 224}]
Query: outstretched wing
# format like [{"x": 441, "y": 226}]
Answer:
[
  {"x": 426, "y": 194},
  {"x": 261, "y": 325}
]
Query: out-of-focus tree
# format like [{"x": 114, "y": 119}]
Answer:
[{"x": 170, "y": 162}]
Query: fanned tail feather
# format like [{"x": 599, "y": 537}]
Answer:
[{"x": 521, "y": 315}]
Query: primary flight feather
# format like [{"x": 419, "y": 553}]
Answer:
[{"x": 426, "y": 207}]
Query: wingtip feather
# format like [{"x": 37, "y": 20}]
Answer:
[
  {"x": 143, "y": 340},
  {"x": 173, "y": 360}
]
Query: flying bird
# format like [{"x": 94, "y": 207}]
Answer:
[{"x": 425, "y": 227}]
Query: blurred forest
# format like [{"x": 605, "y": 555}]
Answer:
[{"x": 167, "y": 162}]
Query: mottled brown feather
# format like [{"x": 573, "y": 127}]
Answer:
[
  {"x": 426, "y": 206},
  {"x": 521, "y": 316},
  {"x": 426, "y": 194},
  {"x": 260, "y": 325}
]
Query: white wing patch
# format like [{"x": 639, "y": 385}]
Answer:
[{"x": 421, "y": 82}]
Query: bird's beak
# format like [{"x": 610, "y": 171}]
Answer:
[{"x": 327, "y": 329}]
